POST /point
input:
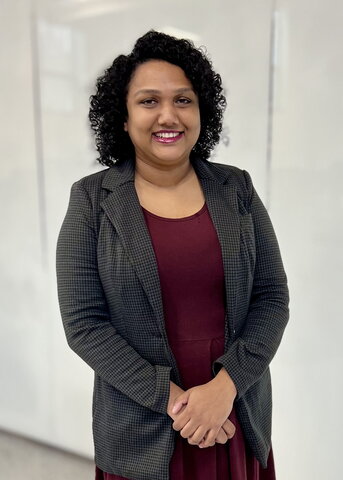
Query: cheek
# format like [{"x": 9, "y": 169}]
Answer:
[
  {"x": 138, "y": 122},
  {"x": 138, "y": 131},
  {"x": 193, "y": 119}
]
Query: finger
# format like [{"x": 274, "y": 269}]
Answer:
[
  {"x": 197, "y": 436},
  {"x": 189, "y": 429},
  {"x": 210, "y": 439},
  {"x": 181, "y": 421},
  {"x": 203, "y": 443},
  {"x": 178, "y": 406},
  {"x": 206, "y": 445},
  {"x": 222, "y": 437},
  {"x": 229, "y": 428},
  {"x": 180, "y": 401}
]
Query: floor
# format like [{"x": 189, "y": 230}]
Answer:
[{"x": 22, "y": 459}]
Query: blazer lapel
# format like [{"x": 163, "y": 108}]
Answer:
[{"x": 123, "y": 209}]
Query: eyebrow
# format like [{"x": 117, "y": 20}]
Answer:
[{"x": 156, "y": 92}]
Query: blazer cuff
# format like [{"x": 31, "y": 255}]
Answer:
[
  {"x": 242, "y": 372},
  {"x": 162, "y": 389}
]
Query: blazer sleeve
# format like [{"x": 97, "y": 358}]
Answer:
[
  {"x": 250, "y": 354},
  {"x": 85, "y": 312}
]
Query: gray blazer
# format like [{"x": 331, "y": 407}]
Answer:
[{"x": 111, "y": 306}]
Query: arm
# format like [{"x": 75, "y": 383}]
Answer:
[
  {"x": 251, "y": 353},
  {"x": 85, "y": 313}
]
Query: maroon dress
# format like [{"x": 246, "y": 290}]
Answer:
[{"x": 191, "y": 274}]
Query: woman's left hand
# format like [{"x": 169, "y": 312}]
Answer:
[{"x": 206, "y": 408}]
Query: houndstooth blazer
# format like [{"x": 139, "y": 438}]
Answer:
[{"x": 111, "y": 306}]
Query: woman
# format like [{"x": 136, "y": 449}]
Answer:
[{"x": 170, "y": 280}]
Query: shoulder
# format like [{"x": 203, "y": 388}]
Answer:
[
  {"x": 87, "y": 194},
  {"x": 233, "y": 173},
  {"x": 91, "y": 183},
  {"x": 88, "y": 190},
  {"x": 232, "y": 176}
]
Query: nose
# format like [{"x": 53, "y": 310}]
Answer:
[{"x": 168, "y": 115}]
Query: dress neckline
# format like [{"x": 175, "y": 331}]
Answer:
[{"x": 181, "y": 219}]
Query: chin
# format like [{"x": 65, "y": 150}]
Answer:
[{"x": 172, "y": 155}]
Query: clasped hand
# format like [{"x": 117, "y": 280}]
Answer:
[{"x": 201, "y": 413}]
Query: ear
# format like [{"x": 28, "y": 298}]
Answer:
[{"x": 125, "y": 126}]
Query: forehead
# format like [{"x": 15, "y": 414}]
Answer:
[{"x": 158, "y": 74}]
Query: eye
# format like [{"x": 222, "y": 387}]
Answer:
[
  {"x": 148, "y": 102},
  {"x": 183, "y": 100}
]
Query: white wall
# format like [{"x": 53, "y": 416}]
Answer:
[
  {"x": 307, "y": 208},
  {"x": 51, "y": 52},
  {"x": 25, "y": 363}
]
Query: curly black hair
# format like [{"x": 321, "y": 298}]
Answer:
[{"x": 108, "y": 111}]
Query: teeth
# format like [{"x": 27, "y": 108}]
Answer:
[{"x": 167, "y": 134}]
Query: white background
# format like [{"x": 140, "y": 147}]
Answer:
[{"x": 281, "y": 64}]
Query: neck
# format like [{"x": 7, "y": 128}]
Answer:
[{"x": 163, "y": 176}]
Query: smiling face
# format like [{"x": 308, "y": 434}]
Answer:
[{"x": 163, "y": 114}]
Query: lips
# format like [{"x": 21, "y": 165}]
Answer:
[{"x": 167, "y": 136}]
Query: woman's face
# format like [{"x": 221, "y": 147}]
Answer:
[{"x": 163, "y": 114}]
